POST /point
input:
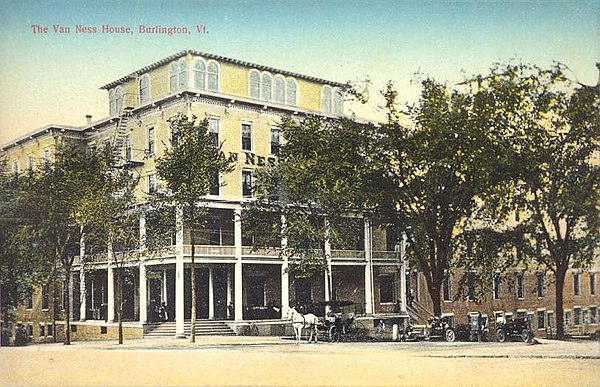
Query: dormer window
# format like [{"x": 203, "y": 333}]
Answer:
[
  {"x": 118, "y": 100},
  {"x": 266, "y": 84},
  {"x": 178, "y": 75},
  {"x": 254, "y": 84},
  {"x": 292, "y": 92},
  {"x": 279, "y": 89},
  {"x": 331, "y": 100},
  {"x": 206, "y": 76},
  {"x": 144, "y": 88}
]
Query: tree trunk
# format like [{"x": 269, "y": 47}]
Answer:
[
  {"x": 436, "y": 300},
  {"x": 559, "y": 286},
  {"x": 120, "y": 302},
  {"x": 193, "y": 273},
  {"x": 66, "y": 292}
]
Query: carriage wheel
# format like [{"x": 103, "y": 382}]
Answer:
[
  {"x": 359, "y": 330},
  {"x": 334, "y": 334}
]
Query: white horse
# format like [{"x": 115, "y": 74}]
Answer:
[{"x": 299, "y": 321}]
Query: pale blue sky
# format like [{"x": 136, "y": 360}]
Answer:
[{"x": 55, "y": 78}]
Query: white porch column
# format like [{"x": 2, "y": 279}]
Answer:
[
  {"x": 163, "y": 287},
  {"x": 110, "y": 314},
  {"x": 328, "y": 273},
  {"x": 403, "y": 265},
  {"x": 70, "y": 296},
  {"x": 211, "y": 295},
  {"x": 369, "y": 301},
  {"x": 82, "y": 295},
  {"x": 237, "y": 227},
  {"x": 285, "y": 277},
  {"x": 229, "y": 292},
  {"x": 143, "y": 283},
  {"x": 82, "y": 288},
  {"x": 179, "y": 275}
]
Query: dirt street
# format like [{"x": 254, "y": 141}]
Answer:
[{"x": 273, "y": 361}]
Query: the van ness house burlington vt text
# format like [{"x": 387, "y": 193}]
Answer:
[{"x": 157, "y": 29}]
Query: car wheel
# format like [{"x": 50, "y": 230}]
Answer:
[
  {"x": 501, "y": 335},
  {"x": 334, "y": 335},
  {"x": 450, "y": 335},
  {"x": 525, "y": 335}
]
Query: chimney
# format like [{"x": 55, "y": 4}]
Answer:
[{"x": 88, "y": 118}]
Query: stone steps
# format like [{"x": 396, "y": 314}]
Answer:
[{"x": 203, "y": 328}]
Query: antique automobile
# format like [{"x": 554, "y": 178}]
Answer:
[
  {"x": 475, "y": 330},
  {"x": 441, "y": 328},
  {"x": 519, "y": 327}
]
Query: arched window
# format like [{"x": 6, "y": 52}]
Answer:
[
  {"x": 279, "y": 95},
  {"x": 182, "y": 74},
  {"x": 326, "y": 99},
  {"x": 118, "y": 100},
  {"x": 292, "y": 92},
  {"x": 111, "y": 102},
  {"x": 144, "y": 88},
  {"x": 199, "y": 74},
  {"x": 266, "y": 89},
  {"x": 173, "y": 75},
  {"x": 254, "y": 84},
  {"x": 213, "y": 76},
  {"x": 338, "y": 102}
]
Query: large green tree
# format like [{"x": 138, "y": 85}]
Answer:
[
  {"x": 555, "y": 190},
  {"x": 436, "y": 168},
  {"x": 318, "y": 185},
  {"x": 112, "y": 221},
  {"x": 189, "y": 168},
  {"x": 61, "y": 195}
]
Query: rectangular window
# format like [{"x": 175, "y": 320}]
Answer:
[
  {"x": 247, "y": 184},
  {"x": 577, "y": 316},
  {"x": 15, "y": 168},
  {"x": 568, "y": 318},
  {"x": 213, "y": 131},
  {"x": 275, "y": 141},
  {"x": 592, "y": 283},
  {"x": 42, "y": 330},
  {"x": 520, "y": 285},
  {"x": 541, "y": 284},
  {"x": 29, "y": 299},
  {"x": 471, "y": 286},
  {"x": 447, "y": 288},
  {"x": 128, "y": 148},
  {"x": 47, "y": 155},
  {"x": 45, "y": 297},
  {"x": 50, "y": 330},
  {"x": 214, "y": 183},
  {"x": 151, "y": 183},
  {"x": 387, "y": 288},
  {"x": 550, "y": 317},
  {"x": 256, "y": 291},
  {"x": 497, "y": 282},
  {"x": 247, "y": 137},
  {"x": 576, "y": 284},
  {"x": 151, "y": 141},
  {"x": 541, "y": 320},
  {"x": 594, "y": 315},
  {"x": 30, "y": 163},
  {"x": 30, "y": 330}
]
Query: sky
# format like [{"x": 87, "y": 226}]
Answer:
[{"x": 55, "y": 77}]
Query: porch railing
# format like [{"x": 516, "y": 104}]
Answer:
[{"x": 354, "y": 255}]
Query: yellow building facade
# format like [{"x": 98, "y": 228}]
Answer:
[{"x": 244, "y": 104}]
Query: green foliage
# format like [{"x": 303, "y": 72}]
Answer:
[{"x": 317, "y": 184}]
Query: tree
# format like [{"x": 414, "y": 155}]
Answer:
[
  {"x": 189, "y": 169},
  {"x": 318, "y": 183},
  {"x": 23, "y": 254},
  {"x": 435, "y": 170},
  {"x": 556, "y": 188},
  {"x": 60, "y": 195},
  {"x": 112, "y": 220}
]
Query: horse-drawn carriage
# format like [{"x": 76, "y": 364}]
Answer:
[{"x": 339, "y": 324}]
